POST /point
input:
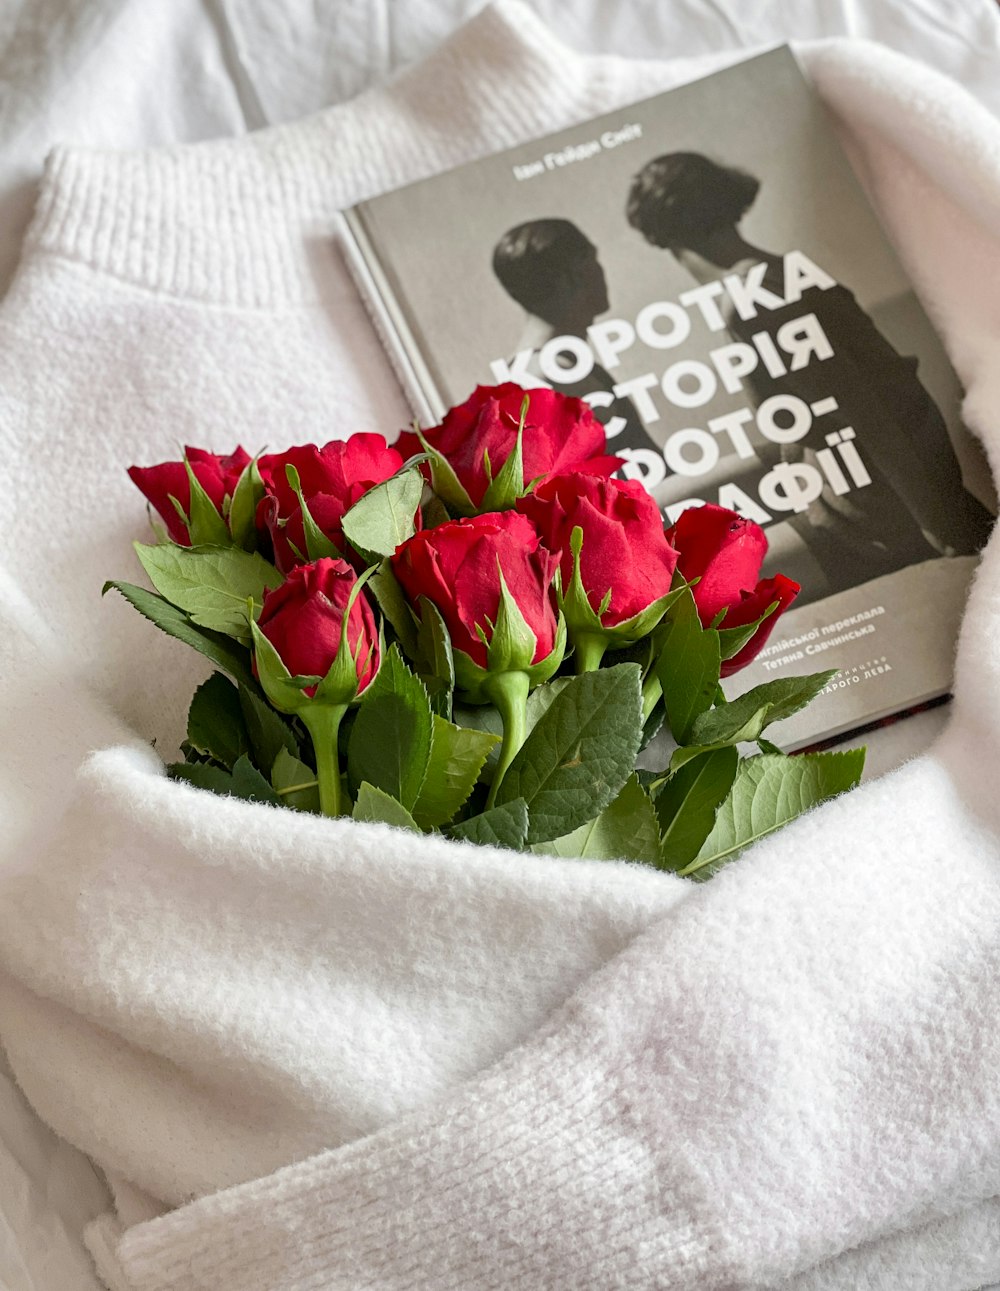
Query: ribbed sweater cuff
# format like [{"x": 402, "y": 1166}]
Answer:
[{"x": 531, "y": 1179}]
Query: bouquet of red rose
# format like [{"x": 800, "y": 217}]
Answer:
[{"x": 477, "y": 632}]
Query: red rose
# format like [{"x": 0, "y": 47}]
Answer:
[
  {"x": 333, "y": 478},
  {"x": 750, "y": 608},
  {"x": 561, "y": 434},
  {"x": 624, "y": 548},
  {"x": 218, "y": 476},
  {"x": 304, "y": 619},
  {"x": 457, "y": 567},
  {"x": 725, "y": 552}
]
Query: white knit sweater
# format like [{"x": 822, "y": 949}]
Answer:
[{"x": 340, "y": 1058}]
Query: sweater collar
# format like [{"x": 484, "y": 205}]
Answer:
[{"x": 230, "y": 221}]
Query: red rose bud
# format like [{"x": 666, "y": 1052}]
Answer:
[
  {"x": 626, "y": 564},
  {"x": 561, "y": 434},
  {"x": 751, "y": 607},
  {"x": 217, "y": 475},
  {"x": 725, "y": 552},
  {"x": 332, "y": 479},
  {"x": 304, "y": 620},
  {"x": 458, "y": 566}
]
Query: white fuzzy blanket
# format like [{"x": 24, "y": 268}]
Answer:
[{"x": 384, "y": 1063}]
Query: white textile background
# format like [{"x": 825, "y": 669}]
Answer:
[{"x": 139, "y": 73}]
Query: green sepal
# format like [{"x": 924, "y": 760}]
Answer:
[
  {"x": 285, "y": 692},
  {"x": 732, "y": 640},
  {"x": 205, "y": 525},
  {"x": 508, "y": 486},
  {"x": 340, "y": 685},
  {"x": 510, "y": 649},
  {"x": 318, "y": 544},
  {"x": 445, "y": 482},
  {"x": 247, "y": 496},
  {"x": 583, "y": 621},
  {"x": 473, "y": 682}
]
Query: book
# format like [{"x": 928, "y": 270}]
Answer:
[{"x": 704, "y": 268}]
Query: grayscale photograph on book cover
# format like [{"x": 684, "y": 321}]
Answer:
[{"x": 704, "y": 268}]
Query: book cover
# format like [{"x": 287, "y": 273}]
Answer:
[{"x": 705, "y": 269}]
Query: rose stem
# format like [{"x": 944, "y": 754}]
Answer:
[
  {"x": 509, "y": 692},
  {"x": 322, "y": 721},
  {"x": 588, "y": 651}
]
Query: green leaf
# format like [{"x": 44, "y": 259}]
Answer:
[
  {"x": 268, "y": 732},
  {"x": 294, "y": 782},
  {"x": 248, "y": 783},
  {"x": 542, "y": 698},
  {"x": 212, "y": 584},
  {"x": 688, "y": 667},
  {"x": 391, "y": 742},
  {"x": 204, "y": 524},
  {"x": 384, "y": 517},
  {"x": 578, "y": 757},
  {"x": 215, "y": 723},
  {"x": 505, "y": 826},
  {"x": 244, "y": 781},
  {"x": 203, "y": 775},
  {"x": 745, "y": 734},
  {"x": 775, "y": 699},
  {"x": 769, "y": 791},
  {"x": 175, "y": 623},
  {"x": 686, "y": 806},
  {"x": 457, "y": 758},
  {"x": 377, "y": 807},
  {"x": 626, "y": 830}
]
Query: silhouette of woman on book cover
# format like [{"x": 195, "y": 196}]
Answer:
[
  {"x": 916, "y": 506},
  {"x": 551, "y": 269}
]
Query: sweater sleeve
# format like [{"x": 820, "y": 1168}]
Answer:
[{"x": 776, "y": 1072}]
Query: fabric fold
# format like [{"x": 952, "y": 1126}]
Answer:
[{"x": 347, "y": 1060}]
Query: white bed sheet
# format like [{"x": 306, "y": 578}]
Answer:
[{"x": 137, "y": 73}]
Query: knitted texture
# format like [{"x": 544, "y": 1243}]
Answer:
[{"x": 342, "y": 1057}]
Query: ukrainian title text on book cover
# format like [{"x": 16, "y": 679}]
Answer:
[{"x": 704, "y": 268}]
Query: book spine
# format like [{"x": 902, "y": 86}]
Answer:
[{"x": 383, "y": 309}]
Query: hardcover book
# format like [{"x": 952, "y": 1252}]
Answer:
[{"x": 704, "y": 268}]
